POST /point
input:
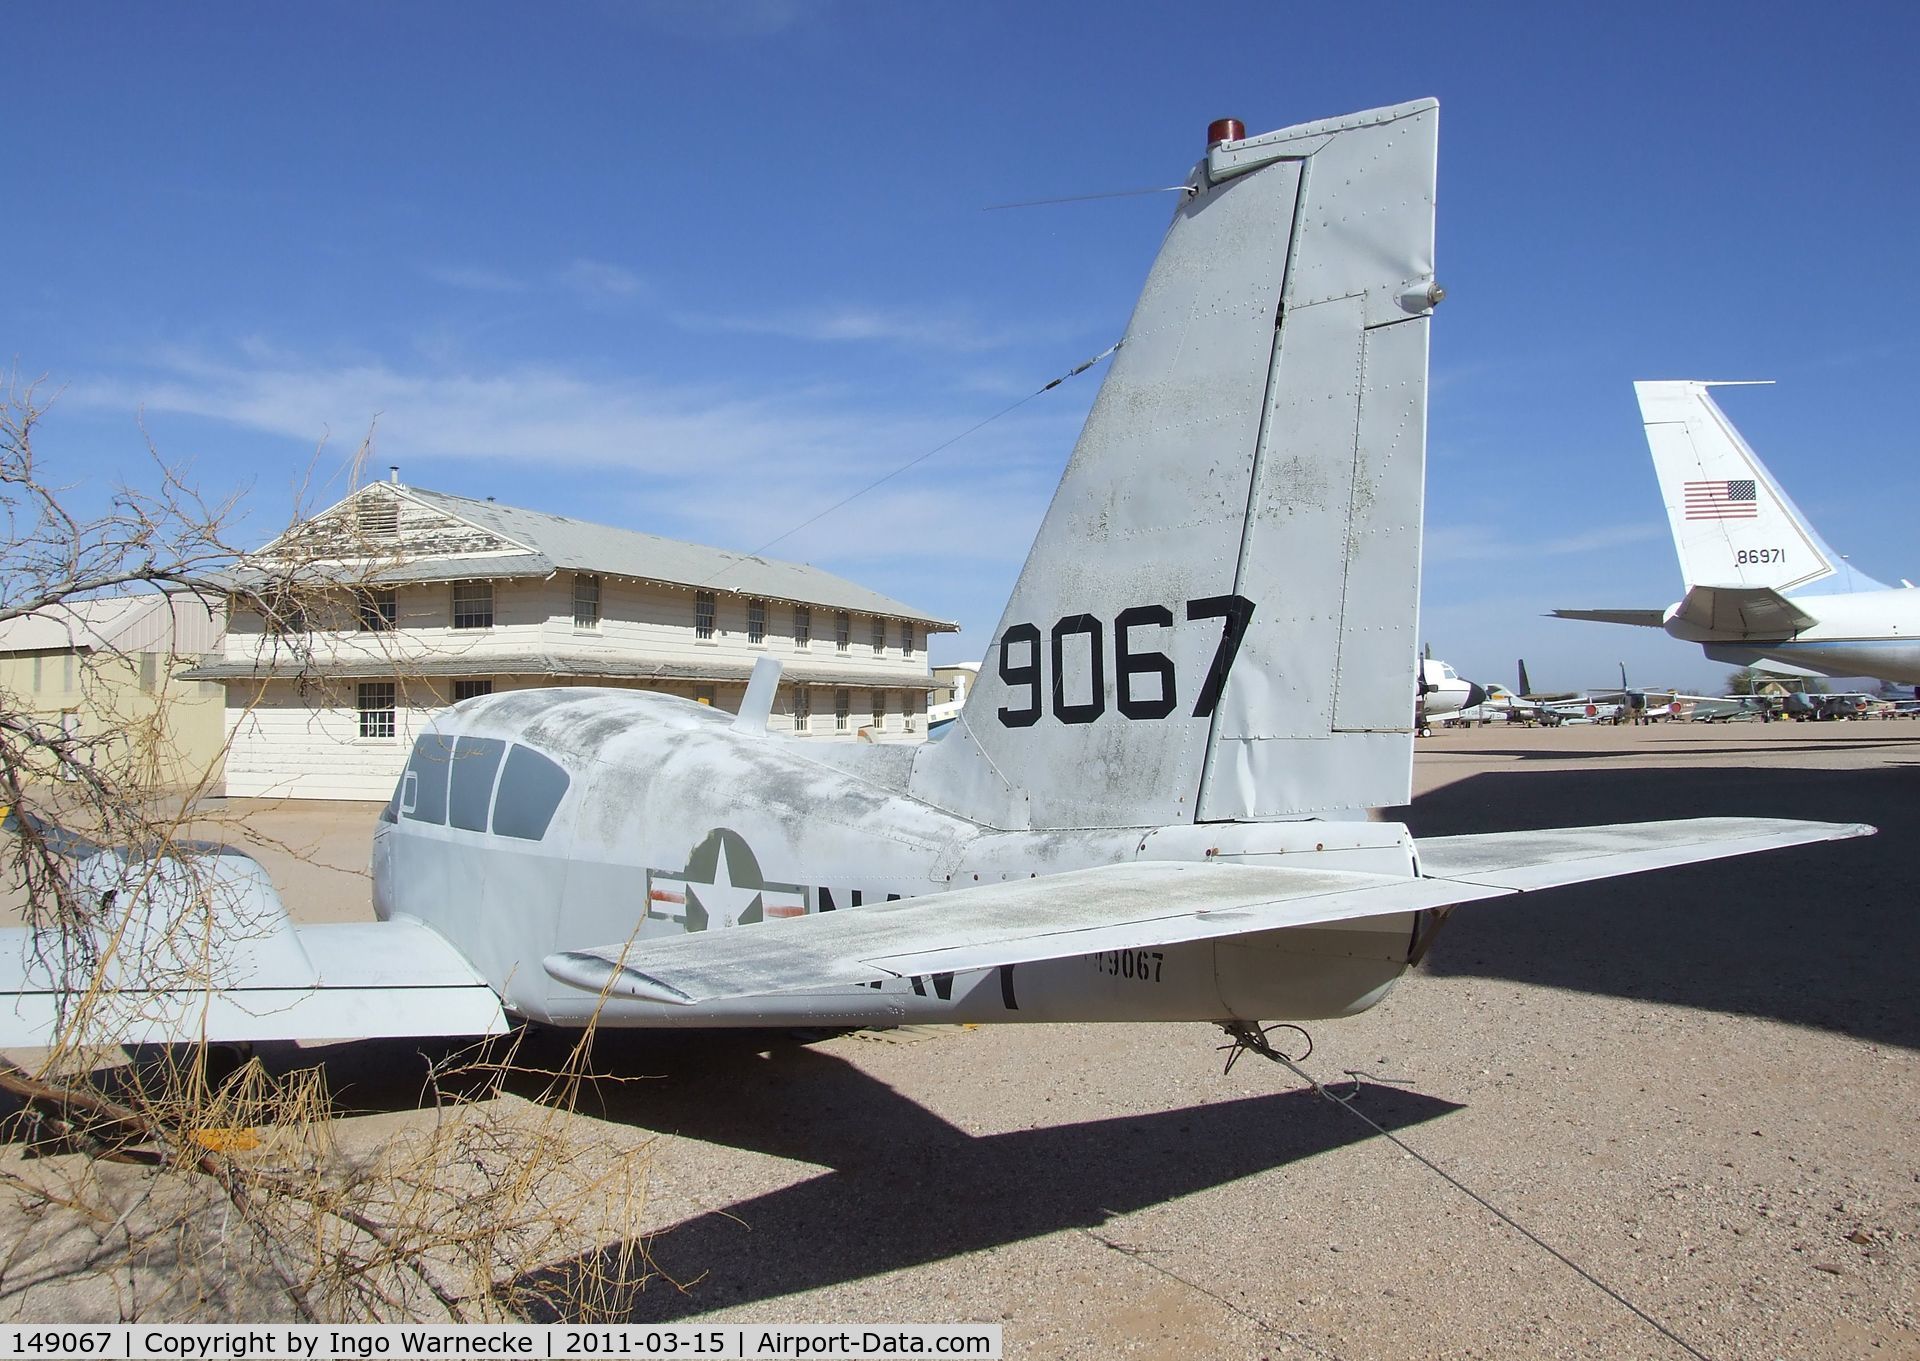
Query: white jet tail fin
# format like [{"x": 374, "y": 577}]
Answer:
[
  {"x": 1732, "y": 524},
  {"x": 1218, "y": 619}
]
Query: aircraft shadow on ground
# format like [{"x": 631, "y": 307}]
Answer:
[
  {"x": 1821, "y": 935},
  {"x": 1641, "y": 753},
  {"x": 906, "y": 1188},
  {"x": 363, "y": 1077}
]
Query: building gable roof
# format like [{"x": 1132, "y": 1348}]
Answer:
[{"x": 566, "y": 544}]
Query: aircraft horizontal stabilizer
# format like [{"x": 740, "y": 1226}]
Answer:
[
  {"x": 1139, "y": 905},
  {"x": 1525, "y": 861},
  {"x": 199, "y": 947},
  {"x": 1646, "y": 619},
  {"x": 1733, "y": 612}
]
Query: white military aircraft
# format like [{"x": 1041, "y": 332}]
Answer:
[
  {"x": 1152, "y": 805},
  {"x": 1443, "y": 692},
  {"x": 1763, "y": 588}
]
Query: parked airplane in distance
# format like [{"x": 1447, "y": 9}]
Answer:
[
  {"x": 1151, "y": 806},
  {"x": 1802, "y": 704},
  {"x": 1763, "y": 589},
  {"x": 1723, "y": 708},
  {"x": 1442, "y": 692},
  {"x": 1552, "y": 708}
]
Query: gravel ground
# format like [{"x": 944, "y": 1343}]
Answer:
[{"x": 1700, "y": 1084}]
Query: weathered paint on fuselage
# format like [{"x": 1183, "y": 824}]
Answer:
[{"x": 672, "y": 820}]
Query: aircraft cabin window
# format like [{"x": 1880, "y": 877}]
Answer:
[
  {"x": 475, "y": 762},
  {"x": 423, "y": 789},
  {"x": 531, "y": 788}
]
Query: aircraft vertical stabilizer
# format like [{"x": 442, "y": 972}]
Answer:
[
  {"x": 1732, "y": 523},
  {"x": 1218, "y": 619}
]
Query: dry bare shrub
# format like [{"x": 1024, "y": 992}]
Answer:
[{"x": 158, "y": 1189}]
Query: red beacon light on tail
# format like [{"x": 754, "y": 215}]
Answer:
[{"x": 1224, "y": 130}]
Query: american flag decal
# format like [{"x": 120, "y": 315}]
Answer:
[{"x": 1721, "y": 500}]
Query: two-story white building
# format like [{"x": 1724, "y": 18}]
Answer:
[{"x": 452, "y": 598}]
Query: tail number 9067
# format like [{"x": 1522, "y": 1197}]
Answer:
[{"x": 1145, "y": 682}]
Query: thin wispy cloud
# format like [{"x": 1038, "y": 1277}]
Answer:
[
  {"x": 710, "y": 462},
  {"x": 706, "y": 19},
  {"x": 840, "y": 323},
  {"x": 1483, "y": 543},
  {"x": 600, "y": 281},
  {"x": 472, "y": 279},
  {"x": 596, "y": 281}
]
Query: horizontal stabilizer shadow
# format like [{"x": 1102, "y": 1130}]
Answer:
[
  {"x": 1822, "y": 936},
  {"x": 912, "y": 1203}
]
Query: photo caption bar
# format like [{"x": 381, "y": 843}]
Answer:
[{"x": 391, "y": 1341}]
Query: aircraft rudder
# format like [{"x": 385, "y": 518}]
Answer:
[
  {"x": 1732, "y": 523},
  {"x": 1218, "y": 617}
]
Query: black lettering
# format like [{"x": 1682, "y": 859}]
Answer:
[
  {"x": 1007, "y": 998},
  {"x": 1237, "y": 611},
  {"x": 1025, "y": 673},
  {"x": 1127, "y": 663},
  {"x": 1087, "y": 625}
]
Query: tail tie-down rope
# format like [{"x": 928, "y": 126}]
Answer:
[{"x": 1246, "y": 1038}]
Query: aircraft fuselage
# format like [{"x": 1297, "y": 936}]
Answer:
[
  {"x": 1855, "y": 633},
  {"x": 544, "y": 820}
]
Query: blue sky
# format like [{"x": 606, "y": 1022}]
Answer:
[{"x": 701, "y": 269}]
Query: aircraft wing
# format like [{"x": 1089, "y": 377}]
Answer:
[
  {"x": 1649, "y": 619},
  {"x": 1132, "y": 906},
  {"x": 199, "y": 947}
]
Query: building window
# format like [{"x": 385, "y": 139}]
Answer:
[
  {"x": 906, "y": 639},
  {"x": 149, "y": 671},
  {"x": 703, "y": 614},
  {"x": 756, "y": 621},
  {"x": 471, "y": 689},
  {"x": 842, "y": 631},
  {"x": 802, "y": 709},
  {"x": 802, "y": 626},
  {"x": 284, "y": 613},
  {"x": 842, "y": 709},
  {"x": 879, "y": 710},
  {"x": 376, "y": 708},
  {"x": 473, "y": 604},
  {"x": 378, "y": 610},
  {"x": 586, "y": 602},
  {"x": 879, "y": 635},
  {"x": 39, "y": 683}
]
